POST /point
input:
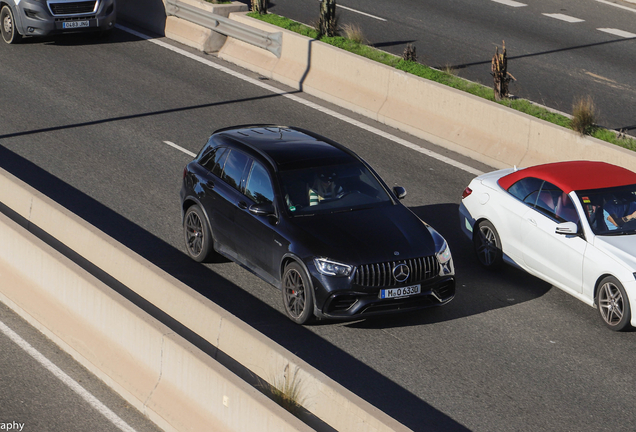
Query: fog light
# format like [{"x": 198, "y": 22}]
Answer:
[{"x": 30, "y": 29}]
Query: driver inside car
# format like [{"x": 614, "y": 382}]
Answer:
[{"x": 324, "y": 188}]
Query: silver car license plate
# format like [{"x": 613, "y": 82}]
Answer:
[{"x": 75, "y": 24}]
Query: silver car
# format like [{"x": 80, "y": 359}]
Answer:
[{"x": 19, "y": 18}]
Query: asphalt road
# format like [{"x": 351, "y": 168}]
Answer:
[
  {"x": 557, "y": 51},
  {"x": 86, "y": 121},
  {"x": 49, "y": 391}
]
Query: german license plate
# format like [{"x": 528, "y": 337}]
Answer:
[
  {"x": 400, "y": 292},
  {"x": 75, "y": 24}
]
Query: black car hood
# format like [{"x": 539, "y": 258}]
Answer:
[{"x": 386, "y": 233}]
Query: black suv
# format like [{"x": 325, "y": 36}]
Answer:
[{"x": 313, "y": 219}]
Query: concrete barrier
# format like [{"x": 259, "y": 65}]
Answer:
[
  {"x": 324, "y": 398},
  {"x": 481, "y": 129},
  {"x": 162, "y": 375},
  {"x": 196, "y": 36}
]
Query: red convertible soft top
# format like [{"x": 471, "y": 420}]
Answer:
[{"x": 574, "y": 175}]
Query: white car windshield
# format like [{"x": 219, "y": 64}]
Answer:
[{"x": 610, "y": 211}]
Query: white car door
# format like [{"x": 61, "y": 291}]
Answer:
[{"x": 556, "y": 258}]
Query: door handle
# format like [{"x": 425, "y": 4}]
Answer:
[
  {"x": 242, "y": 205},
  {"x": 532, "y": 221},
  {"x": 209, "y": 184}
]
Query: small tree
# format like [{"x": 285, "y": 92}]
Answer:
[
  {"x": 500, "y": 74},
  {"x": 259, "y": 6},
  {"x": 327, "y": 23}
]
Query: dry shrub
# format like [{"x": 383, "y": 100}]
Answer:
[
  {"x": 327, "y": 21},
  {"x": 354, "y": 33},
  {"x": 287, "y": 391},
  {"x": 450, "y": 70},
  {"x": 583, "y": 115},
  {"x": 500, "y": 74},
  {"x": 410, "y": 53},
  {"x": 259, "y": 6}
]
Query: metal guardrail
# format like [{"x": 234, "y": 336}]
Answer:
[{"x": 269, "y": 41}]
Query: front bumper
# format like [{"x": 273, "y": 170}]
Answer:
[
  {"x": 35, "y": 19},
  {"x": 351, "y": 302}
]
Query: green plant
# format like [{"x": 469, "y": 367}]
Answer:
[
  {"x": 583, "y": 115},
  {"x": 442, "y": 77},
  {"x": 287, "y": 390}
]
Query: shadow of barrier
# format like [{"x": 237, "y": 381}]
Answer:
[
  {"x": 147, "y": 14},
  {"x": 154, "y": 368}
]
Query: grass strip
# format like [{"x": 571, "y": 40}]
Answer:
[{"x": 441, "y": 77}]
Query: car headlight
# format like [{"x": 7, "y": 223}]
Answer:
[
  {"x": 332, "y": 268},
  {"x": 444, "y": 254}
]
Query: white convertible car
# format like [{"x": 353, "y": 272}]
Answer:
[{"x": 572, "y": 224}]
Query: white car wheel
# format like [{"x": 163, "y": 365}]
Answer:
[{"x": 613, "y": 304}]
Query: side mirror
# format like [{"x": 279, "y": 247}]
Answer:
[
  {"x": 399, "y": 191},
  {"x": 567, "y": 228},
  {"x": 263, "y": 209}
]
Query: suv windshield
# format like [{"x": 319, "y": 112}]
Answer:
[
  {"x": 334, "y": 188},
  {"x": 610, "y": 211}
]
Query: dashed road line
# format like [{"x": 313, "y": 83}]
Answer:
[
  {"x": 618, "y": 5},
  {"x": 297, "y": 99},
  {"x": 188, "y": 152},
  {"x": 510, "y": 3},
  {"x": 361, "y": 13},
  {"x": 562, "y": 17},
  {"x": 617, "y": 32}
]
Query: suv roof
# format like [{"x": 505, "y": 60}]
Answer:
[{"x": 289, "y": 147}]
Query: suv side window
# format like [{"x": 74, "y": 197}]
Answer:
[
  {"x": 259, "y": 186},
  {"x": 213, "y": 160},
  {"x": 234, "y": 168}
]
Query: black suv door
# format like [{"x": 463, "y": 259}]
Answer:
[{"x": 223, "y": 195}]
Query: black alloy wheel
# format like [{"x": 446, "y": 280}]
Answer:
[
  {"x": 613, "y": 304},
  {"x": 297, "y": 296},
  {"x": 487, "y": 245},
  {"x": 198, "y": 238},
  {"x": 7, "y": 26}
]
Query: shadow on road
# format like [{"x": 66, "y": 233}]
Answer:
[{"x": 358, "y": 377}]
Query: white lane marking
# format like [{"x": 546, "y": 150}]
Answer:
[
  {"x": 70, "y": 382},
  {"x": 188, "y": 152},
  {"x": 619, "y": 6},
  {"x": 562, "y": 17},
  {"x": 361, "y": 13},
  {"x": 510, "y": 3},
  {"x": 307, "y": 103},
  {"x": 617, "y": 32}
]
